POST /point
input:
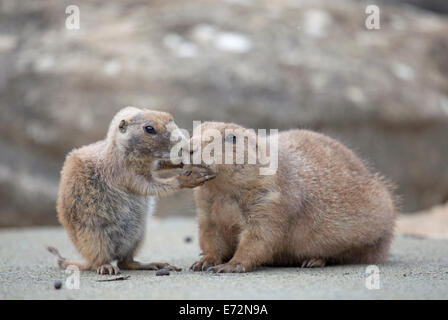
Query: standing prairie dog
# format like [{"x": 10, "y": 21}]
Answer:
[
  {"x": 322, "y": 206},
  {"x": 105, "y": 188}
]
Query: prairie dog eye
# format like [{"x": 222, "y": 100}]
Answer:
[
  {"x": 231, "y": 138},
  {"x": 150, "y": 129},
  {"x": 122, "y": 126}
]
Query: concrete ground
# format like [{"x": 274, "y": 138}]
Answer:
[{"x": 417, "y": 269}]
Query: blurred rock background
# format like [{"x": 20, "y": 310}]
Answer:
[{"x": 263, "y": 64}]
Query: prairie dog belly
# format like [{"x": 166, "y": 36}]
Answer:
[
  {"x": 226, "y": 215},
  {"x": 128, "y": 229}
]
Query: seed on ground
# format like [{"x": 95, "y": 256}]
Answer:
[{"x": 57, "y": 284}]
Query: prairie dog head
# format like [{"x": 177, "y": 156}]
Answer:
[
  {"x": 142, "y": 133},
  {"x": 223, "y": 147}
]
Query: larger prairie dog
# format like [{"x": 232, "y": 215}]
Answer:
[
  {"x": 322, "y": 206},
  {"x": 105, "y": 189}
]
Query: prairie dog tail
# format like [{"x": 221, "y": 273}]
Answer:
[
  {"x": 61, "y": 260},
  {"x": 54, "y": 251},
  {"x": 63, "y": 263}
]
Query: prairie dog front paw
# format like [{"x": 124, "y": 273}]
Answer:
[
  {"x": 205, "y": 263},
  {"x": 194, "y": 177}
]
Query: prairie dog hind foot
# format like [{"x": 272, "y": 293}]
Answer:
[
  {"x": 230, "y": 267},
  {"x": 108, "y": 269},
  {"x": 313, "y": 263},
  {"x": 135, "y": 265}
]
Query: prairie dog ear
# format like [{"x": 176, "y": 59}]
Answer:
[{"x": 123, "y": 126}]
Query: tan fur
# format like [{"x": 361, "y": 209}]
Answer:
[
  {"x": 105, "y": 188},
  {"x": 322, "y": 206}
]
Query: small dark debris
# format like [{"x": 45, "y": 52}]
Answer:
[
  {"x": 57, "y": 284},
  {"x": 346, "y": 273},
  {"x": 188, "y": 239},
  {"x": 163, "y": 272},
  {"x": 114, "y": 279},
  {"x": 404, "y": 275}
]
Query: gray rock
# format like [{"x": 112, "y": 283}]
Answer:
[{"x": 292, "y": 64}]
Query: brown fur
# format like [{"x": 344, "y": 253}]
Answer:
[
  {"x": 105, "y": 188},
  {"x": 322, "y": 206}
]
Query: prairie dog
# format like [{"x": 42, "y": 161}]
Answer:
[
  {"x": 322, "y": 206},
  {"x": 105, "y": 187}
]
